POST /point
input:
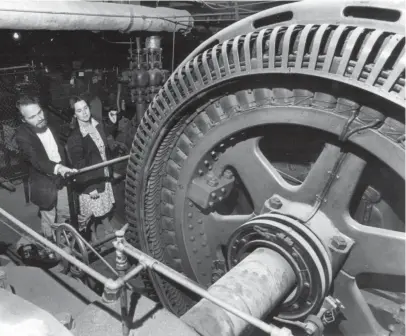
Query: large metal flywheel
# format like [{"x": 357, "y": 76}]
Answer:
[{"x": 304, "y": 118}]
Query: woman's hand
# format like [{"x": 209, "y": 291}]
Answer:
[
  {"x": 94, "y": 194},
  {"x": 113, "y": 116}
]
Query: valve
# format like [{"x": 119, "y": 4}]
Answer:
[
  {"x": 315, "y": 324},
  {"x": 331, "y": 308}
]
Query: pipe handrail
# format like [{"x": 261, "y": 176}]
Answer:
[
  {"x": 145, "y": 261},
  {"x": 90, "y": 271},
  {"x": 98, "y": 165}
]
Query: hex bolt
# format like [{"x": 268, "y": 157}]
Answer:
[
  {"x": 212, "y": 182},
  {"x": 275, "y": 203},
  {"x": 339, "y": 243},
  {"x": 310, "y": 328},
  {"x": 228, "y": 174}
]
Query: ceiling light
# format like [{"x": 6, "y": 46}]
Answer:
[{"x": 16, "y": 36}]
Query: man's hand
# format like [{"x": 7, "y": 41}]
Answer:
[
  {"x": 94, "y": 194},
  {"x": 113, "y": 116},
  {"x": 63, "y": 171}
]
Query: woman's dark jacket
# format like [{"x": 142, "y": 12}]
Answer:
[{"x": 83, "y": 152}]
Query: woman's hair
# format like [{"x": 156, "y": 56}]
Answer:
[{"x": 74, "y": 99}]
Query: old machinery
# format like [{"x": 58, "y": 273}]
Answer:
[
  {"x": 282, "y": 132},
  {"x": 141, "y": 81}
]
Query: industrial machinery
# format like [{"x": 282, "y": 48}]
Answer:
[
  {"x": 265, "y": 185},
  {"x": 141, "y": 81},
  {"x": 284, "y": 131}
]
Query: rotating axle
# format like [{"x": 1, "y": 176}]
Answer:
[{"x": 275, "y": 264}]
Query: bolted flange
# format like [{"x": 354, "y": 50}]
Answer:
[
  {"x": 300, "y": 247},
  {"x": 208, "y": 190}
]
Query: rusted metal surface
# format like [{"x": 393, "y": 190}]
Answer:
[{"x": 256, "y": 286}]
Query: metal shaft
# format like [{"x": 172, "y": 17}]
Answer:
[
  {"x": 280, "y": 274},
  {"x": 256, "y": 286}
]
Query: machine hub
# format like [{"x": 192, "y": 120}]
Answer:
[{"x": 302, "y": 250}]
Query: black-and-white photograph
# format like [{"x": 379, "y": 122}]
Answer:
[{"x": 202, "y": 168}]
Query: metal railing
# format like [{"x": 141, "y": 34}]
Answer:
[
  {"x": 114, "y": 289},
  {"x": 72, "y": 195}
]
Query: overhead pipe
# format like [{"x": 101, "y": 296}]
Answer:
[{"x": 90, "y": 15}]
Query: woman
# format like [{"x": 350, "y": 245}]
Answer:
[{"x": 88, "y": 145}]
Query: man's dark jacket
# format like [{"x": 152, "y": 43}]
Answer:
[{"x": 44, "y": 184}]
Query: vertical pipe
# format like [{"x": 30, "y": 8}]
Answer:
[
  {"x": 71, "y": 201},
  {"x": 121, "y": 267},
  {"x": 255, "y": 286},
  {"x": 173, "y": 50}
]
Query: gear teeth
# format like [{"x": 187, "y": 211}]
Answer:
[
  {"x": 170, "y": 183},
  {"x": 346, "y": 107},
  {"x": 192, "y": 132},
  {"x": 302, "y": 97},
  {"x": 173, "y": 169},
  {"x": 184, "y": 144},
  {"x": 203, "y": 123},
  {"x": 178, "y": 156},
  {"x": 263, "y": 95},
  {"x": 310, "y": 51},
  {"x": 246, "y": 99},
  {"x": 167, "y": 196},
  {"x": 283, "y": 96},
  {"x": 215, "y": 113},
  {"x": 167, "y": 210},
  {"x": 368, "y": 115},
  {"x": 324, "y": 101}
]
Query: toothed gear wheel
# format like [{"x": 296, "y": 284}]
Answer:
[{"x": 274, "y": 107}]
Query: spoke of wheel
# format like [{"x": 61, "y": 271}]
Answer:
[
  {"x": 318, "y": 176},
  {"x": 359, "y": 317},
  {"x": 220, "y": 227},
  {"x": 342, "y": 189},
  {"x": 259, "y": 177},
  {"x": 66, "y": 237},
  {"x": 376, "y": 250}
]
